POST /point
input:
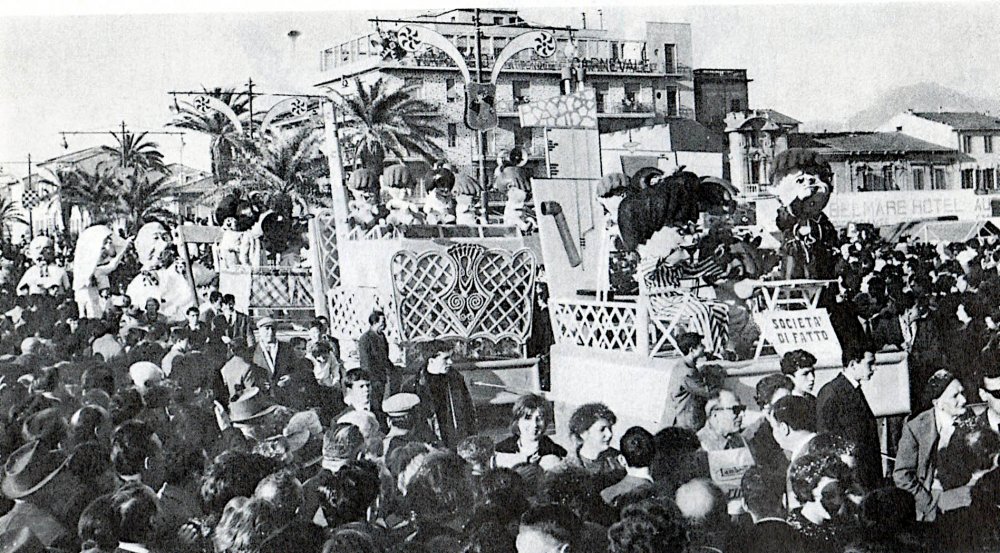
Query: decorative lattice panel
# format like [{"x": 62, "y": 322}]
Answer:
[
  {"x": 350, "y": 307},
  {"x": 281, "y": 288},
  {"x": 324, "y": 233},
  {"x": 598, "y": 325},
  {"x": 375, "y": 233},
  {"x": 466, "y": 292}
]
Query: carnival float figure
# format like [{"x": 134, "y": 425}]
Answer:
[
  {"x": 94, "y": 260},
  {"x": 661, "y": 223},
  {"x": 162, "y": 276},
  {"x": 256, "y": 227},
  {"x": 365, "y": 211},
  {"x": 44, "y": 273},
  {"x": 467, "y": 190},
  {"x": 512, "y": 179},
  {"x": 616, "y": 267},
  {"x": 802, "y": 183},
  {"x": 439, "y": 206},
  {"x": 398, "y": 183}
]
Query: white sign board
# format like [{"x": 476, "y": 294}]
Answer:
[
  {"x": 806, "y": 329},
  {"x": 890, "y": 208}
]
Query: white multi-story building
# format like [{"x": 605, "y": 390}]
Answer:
[
  {"x": 637, "y": 81},
  {"x": 975, "y": 134}
]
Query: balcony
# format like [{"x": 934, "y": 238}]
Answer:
[
  {"x": 626, "y": 108},
  {"x": 536, "y": 150}
]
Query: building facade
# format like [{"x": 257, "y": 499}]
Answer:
[
  {"x": 636, "y": 82},
  {"x": 676, "y": 143},
  {"x": 975, "y": 134},
  {"x": 755, "y": 137},
  {"x": 718, "y": 92}
]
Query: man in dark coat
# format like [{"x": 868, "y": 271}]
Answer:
[
  {"x": 843, "y": 409},
  {"x": 275, "y": 356},
  {"x": 911, "y": 332},
  {"x": 443, "y": 390},
  {"x": 238, "y": 333},
  {"x": 373, "y": 352}
]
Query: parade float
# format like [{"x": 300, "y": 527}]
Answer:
[{"x": 631, "y": 268}]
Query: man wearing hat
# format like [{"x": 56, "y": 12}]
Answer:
[
  {"x": 405, "y": 423},
  {"x": 46, "y": 496},
  {"x": 249, "y": 411},
  {"x": 277, "y": 357},
  {"x": 924, "y": 437}
]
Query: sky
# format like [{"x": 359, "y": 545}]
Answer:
[{"x": 109, "y": 62}]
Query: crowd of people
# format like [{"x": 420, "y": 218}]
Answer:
[{"x": 132, "y": 433}]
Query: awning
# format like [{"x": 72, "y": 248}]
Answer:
[{"x": 937, "y": 232}]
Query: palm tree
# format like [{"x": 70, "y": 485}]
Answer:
[
  {"x": 94, "y": 192},
  {"x": 59, "y": 179},
  {"x": 10, "y": 214},
  {"x": 393, "y": 122},
  {"x": 290, "y": 162},
  {"x": 134, "y": 154},
  {"x": 226, "y": 141},
  {"x": 143, "y": 199}
]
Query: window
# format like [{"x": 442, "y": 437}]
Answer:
[
  {"x": 450, "y": 93},
  {"x": 521, "y": 91},
  {"x": 669, "y": 63},
  {"x": 967, "y": 144},
  {"x": 987, "y": 182},
  {"x": 498, "y": 20},
  {"x": 968, "y": 179},
  {"x": 672, "y": 101},
  {"x": 939, "y": 179},
  {"x": 988, "y": 144},
  {"x": 601, "y": 93},
  {"x": 735, "y": 105},
  {"x": 418, "y": 86},
  {"x": 918, "y": 178},
  {"x": 631, "y": 100},
  {"x": 887, "y": 180},
  {"x": 452, "y": 135}
]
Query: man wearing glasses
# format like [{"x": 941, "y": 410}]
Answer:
[{"x": 723, "y": 427}]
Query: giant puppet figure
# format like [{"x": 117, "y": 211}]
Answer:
[
  {"x": 94, "y": 259},
  {"x": 802, "y": 183},
  {"x": 43, "y": 273},
  {"x": 162, "y": 276},
  {"x": 660, "y": 223}
]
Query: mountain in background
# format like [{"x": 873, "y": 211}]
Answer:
[{"x": 918, "y": 97}]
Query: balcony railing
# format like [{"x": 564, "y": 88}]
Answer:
[
  {"x": 625, "y": 108},
  {"x": 535, "y": 150}
]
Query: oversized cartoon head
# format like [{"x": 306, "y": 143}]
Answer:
[
  {"x": 512, "y": 176},
  {"x": 41, "y": 249},
  {"x": 155, "y": 247},
  {"x": 802, "y": 182},
  {"x": 611, "y": 191},
  {"x": 662, "y": 221},
  {"x": 440, "y": 181},
  {"x": 235, "y": 211}
]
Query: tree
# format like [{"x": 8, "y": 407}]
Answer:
[
  {"x": 143, "y": 199},
  {"x": 134, "y": 154},
  {"x": 226, "y": 141},
  {"x": 383, "y": 122},
  {"x": 10, "y": 214},
  {"x": 94, "y": 192},
  {"x": 58, "y": 180},
  {"x": 290, "y": 161}
]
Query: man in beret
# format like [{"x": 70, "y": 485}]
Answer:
[
  {"x": 406, "y": 424},
  {"x": 924, "y": 437}
]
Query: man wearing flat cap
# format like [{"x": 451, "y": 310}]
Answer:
[
  {"x": 277, "y": 357},
  {"x": 406, "y": 424},
  {"x": 45, "y": 493}
]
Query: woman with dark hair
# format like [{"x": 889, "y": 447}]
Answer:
[
  {"x": 591, "y": 426},
  {"x": 98, "y": 526},
  {"x": 529, "y": 444},
  {"x": 443, "y": 390}
]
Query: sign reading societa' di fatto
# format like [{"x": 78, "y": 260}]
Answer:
[{"x": 807, "y": 329}]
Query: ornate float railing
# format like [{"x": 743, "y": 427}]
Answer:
[{"x": 282, "y": 293}]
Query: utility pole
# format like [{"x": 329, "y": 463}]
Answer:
[
  {"x": 31, "y": 220},
  {"x": 480, "y": 134},
  {"x": 250, "y": 106}
]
